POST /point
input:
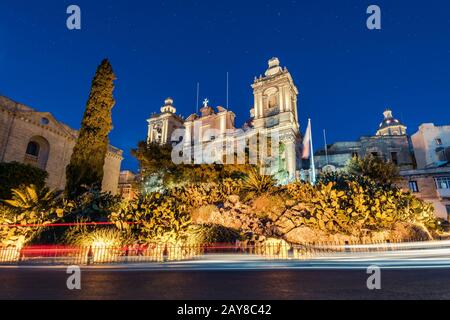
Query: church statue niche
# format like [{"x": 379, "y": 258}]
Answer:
[
  {"x": 271, "y": 102},
  {"x": 157, "y": 133}
]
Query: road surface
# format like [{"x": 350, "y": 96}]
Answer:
[
  {"x": 142, "y": 283},
  {"x": 416, "y": 271}
]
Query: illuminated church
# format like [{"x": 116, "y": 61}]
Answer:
[{"x": 274, "y": 114}]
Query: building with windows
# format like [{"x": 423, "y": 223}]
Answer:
[
  {"x": 274, "y": 114},
  {"x": 423, "y": 158},
  {"x": 390, "y": 143},
  {"x": 128, "y": 185},
  {"x": 37, "y": 138},
  {"x": 431, "y": 178},
  {"x": 431, "y": 145},
  {"x": 432, "y": 185}
]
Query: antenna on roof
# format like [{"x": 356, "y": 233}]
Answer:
[
  {"x": 228, "y": 88},
  {"x": 198, "y": 96},
  {"x": 326, "y": 145}
]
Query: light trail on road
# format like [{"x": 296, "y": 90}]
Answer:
[
  {"x": 436, "y": 260},
  {"x": 426, "y": 255}
]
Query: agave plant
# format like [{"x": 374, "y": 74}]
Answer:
[
  {"x": 29, "y": 198},
  {"x": 259, "y": 183},
  {"x": 29, "y": 211}
]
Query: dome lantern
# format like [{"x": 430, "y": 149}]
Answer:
[
  {"x": 168, "y": 106},
  {"x": 390, "y": 126}
]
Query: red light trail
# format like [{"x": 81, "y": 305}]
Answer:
[{"x": 73, "y": 224}]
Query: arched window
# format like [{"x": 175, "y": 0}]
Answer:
[
  {"x": 33, "y": 149},
  {"x": 37, "y": 152}
]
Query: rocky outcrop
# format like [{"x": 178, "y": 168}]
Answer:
[
  {"x": 267, "y": 218},
  {"x": 232, "y": 214},
  {"x": 408, "y": 231}
]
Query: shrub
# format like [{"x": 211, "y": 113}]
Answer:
[
  {"x": 210, "y": 233},
  {"x": 28, "y": 212},
  {"x": 97, "y": 237},
  {"x": 5, "y": 210},
  {"x": 342, "y": 179},
  {"x": 14, "y": 175},
  {"x": 32, "y": 198},
  {"x": 153, "y": 217},
  {"x": 93, "y": 205},
  {"x": 357, "y": 210},
  {"x": 301, "y": 191},
  {"x": 160, "y": 173},
  {"x": 259, "y": 183},
  {"x": 105, "y": 244},
  {"x": 197, "y": 195},
  {"x": 386, "y": 173}
]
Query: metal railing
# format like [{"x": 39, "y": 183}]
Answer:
[
  {"x": 170, "y": 252},
  {"x": 97, "y": 254}
]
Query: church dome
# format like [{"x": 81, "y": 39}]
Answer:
[{"x": 390, "y": 126}]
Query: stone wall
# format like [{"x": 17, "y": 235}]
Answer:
[
  {"x": 20, "y": 124},
  {"x": 111, "y": 171},
  {"x": 384, "y": 146}
]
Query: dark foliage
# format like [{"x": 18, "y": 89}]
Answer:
[
  {"x": 14, "y": 175},
  {"x": 85, "y": 170}
]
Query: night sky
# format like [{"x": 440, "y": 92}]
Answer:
[{"x": 346, "y": 74}]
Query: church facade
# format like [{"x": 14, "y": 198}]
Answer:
[
  {"x": 390, "y": 143},
  {"x": 37, "y": 138},
  {"x": 271, "y": 135},
  {"x": 423, "y": 158}
]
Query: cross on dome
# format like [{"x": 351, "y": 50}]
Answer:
[{"x": 205, "y": 102}]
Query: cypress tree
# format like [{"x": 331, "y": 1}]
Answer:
[{"x": 85, "y": 170}]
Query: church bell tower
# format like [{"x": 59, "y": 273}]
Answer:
[
  {"x": 162, "y": 125},
  {"x": 275, "y": 97},
  {"x": 275, "y": 110}
]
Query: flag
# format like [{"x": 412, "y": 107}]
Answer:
[
  {"x": 308, "y": 152},
  {"x": 307, "y": 142}
]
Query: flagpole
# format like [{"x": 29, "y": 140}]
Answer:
[
  {"x": 326, "y": 146},
  {"x": 228, "y": 88},
  {"x": 313, "y": 166},
  {"x": 198, "y": 96}
]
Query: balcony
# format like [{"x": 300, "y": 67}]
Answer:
[
  {"x": 443, "y": 186},
  {"x": 444, "y": 193},
  {"x": 31, "y": 160}
]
